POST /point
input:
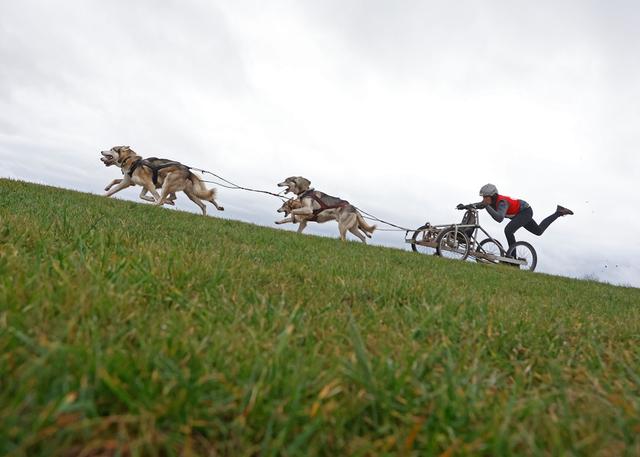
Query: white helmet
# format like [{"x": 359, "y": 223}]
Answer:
[{"x": 488, "y": 190}]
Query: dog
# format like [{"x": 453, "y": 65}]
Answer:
[
  {"x": 348, "y": 217},
  {"x": 315, "y": 206},
  {"x": 151, "y": 174},
  {"x": 155, "y": 162}
]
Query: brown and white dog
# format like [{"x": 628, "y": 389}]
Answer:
[
  {"x": 169, "y": 176},
  {"x": 143, "y": 194},
  {"x": 314, "y": 206}
]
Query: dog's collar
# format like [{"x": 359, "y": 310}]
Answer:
[{"x": 308, "y": 191}]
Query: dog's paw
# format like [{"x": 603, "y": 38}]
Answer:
[{"x": 221, "y": 209}]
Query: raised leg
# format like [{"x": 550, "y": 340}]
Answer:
[
  {"x": 197, "y": 201},
  {"x": 122, "y": 185},
  {"x": 358, "y": 233},
  {"x": 533, "y": 227},
  {"x": 218, "y": 207},
  {"x": 112, "y": 183},
  {"x": 144, "y": 196}
]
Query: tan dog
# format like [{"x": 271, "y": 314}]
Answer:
[
  {"x": 143, "y": 195},
  {"x": 154, "y": 173},
  {"x": 347, "y": 216}
]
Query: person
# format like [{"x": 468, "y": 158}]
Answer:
[{"x": 519, "y": 211}]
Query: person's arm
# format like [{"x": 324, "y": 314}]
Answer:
[
  {"x": 500, "y": 214},
  {"x": 479, "y": 205}
]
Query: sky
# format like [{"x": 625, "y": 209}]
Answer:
[{"x": 404, "y": 108}]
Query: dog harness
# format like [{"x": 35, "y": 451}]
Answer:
[
  {"x": 155, "y": 168},
  {"x": 325, "y": 201}
]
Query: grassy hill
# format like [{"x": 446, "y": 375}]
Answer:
[{"x": 127, "y": 329}]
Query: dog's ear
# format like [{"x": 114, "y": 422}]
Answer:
[{"x": 303, "y": 183}]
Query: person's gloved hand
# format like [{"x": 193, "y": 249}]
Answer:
[{"x": 460, "y": 206}]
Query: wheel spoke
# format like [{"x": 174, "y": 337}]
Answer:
[
  {"x": 522, "y": 250},
  {"x": 491, "y": 247},
  {"x": 422, "y": 235},
  {"x": 453, "y": 244}
]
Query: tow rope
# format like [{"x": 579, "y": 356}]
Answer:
[{"x": 231, "y": 185}]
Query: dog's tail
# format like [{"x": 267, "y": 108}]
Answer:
[
  {"x": 206, "y": 194},
  {"x": 200, "y": 189},
  {"x": 362, "y": 224}
]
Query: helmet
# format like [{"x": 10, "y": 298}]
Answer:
[{"x": 488, "y": 190}]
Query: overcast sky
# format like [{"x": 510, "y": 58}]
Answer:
[{"x": 404, "y": 108}]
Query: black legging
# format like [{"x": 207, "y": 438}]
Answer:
[{"x": 525, "y": 219}]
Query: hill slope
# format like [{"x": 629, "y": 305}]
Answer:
[{"x": 133, "y": 328}]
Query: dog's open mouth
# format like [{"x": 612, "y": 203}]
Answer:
[
  {"x": 287, "y": 185},
  {"x": 107, "y": 160}
]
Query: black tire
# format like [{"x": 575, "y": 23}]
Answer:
[
  {"x": 490, "y": 246},
  {"x": 523, "y": 250},
  {"x": 417, "y": 247},
  {"x": 453, "y": 244}
]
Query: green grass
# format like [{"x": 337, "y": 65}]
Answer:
[{"x": 127, "y": 329}]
